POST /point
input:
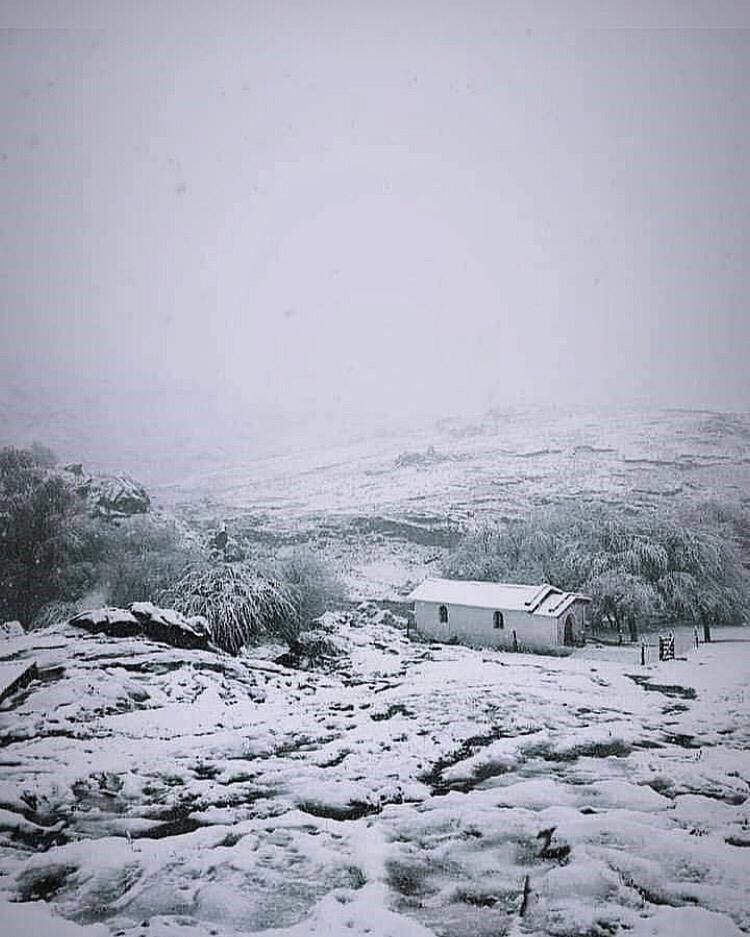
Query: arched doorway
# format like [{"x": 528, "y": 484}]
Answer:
[{"x": 569, "y": 631}]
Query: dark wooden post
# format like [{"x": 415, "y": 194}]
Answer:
[
  {"x": 526, "y": 894},
  {"x": 706, "y": 628}
]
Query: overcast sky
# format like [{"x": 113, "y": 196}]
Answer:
[{"x": 378, "y": 207}]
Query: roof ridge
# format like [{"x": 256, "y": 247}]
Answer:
[
  {"x": 533, "y": 599},
  {"x": 486, "y": 582}
]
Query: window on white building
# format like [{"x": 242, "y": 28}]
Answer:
[
  {"x": 443, "y": 613},
  {"x": 498, "y": 620}
]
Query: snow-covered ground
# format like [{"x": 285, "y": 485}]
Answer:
[
  {"x": 478, "y": 467},
  {"x": 412, "y": 789}
]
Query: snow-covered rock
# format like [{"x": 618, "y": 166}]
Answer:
[
  {"x": 118, "y": 495},
  {"x": 11, "y": 629},
  {"x": 144, "y": 618},
  {"x": 115, "y": 622},
  {"x": 109, "y": 495}
]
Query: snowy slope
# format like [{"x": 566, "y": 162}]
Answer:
[
  {"x": 386, "y": 506},
  {"x": 412, "y": 789},
  {"x": 498, "y": 460}
]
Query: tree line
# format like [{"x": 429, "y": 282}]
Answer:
[{"x": 642, "y": 568}]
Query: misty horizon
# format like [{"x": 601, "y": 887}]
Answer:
[{"x": 368, "y": 212}]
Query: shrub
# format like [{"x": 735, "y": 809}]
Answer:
[
  {"x": 241, "y": 606},
  {"x": 313, "y": 585},
  {"x": 35, "y": 510},
  {"x": 55, "y": 559},
  {"x": 43, "y": 455},
  {"x": 58, "y": 611},
  {"x": 54, "y": 555},
  {"x": 142, "y": 556},
  {"x": 116, "y": 563}
]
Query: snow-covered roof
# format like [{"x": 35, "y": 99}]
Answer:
[{"x": 506, "y": 596}]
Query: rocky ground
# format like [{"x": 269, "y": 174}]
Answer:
[{"x": 405, "y": 789}]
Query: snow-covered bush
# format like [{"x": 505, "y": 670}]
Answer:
[
  {"x": 314, "y": 586},
  {"x": 35, "y": 512},
  {"x": 131, "y": 560},
  {"x": 241, "y": 606},
  {"x": 54, "y": 554},
  {"x": 141, "y": 557}
]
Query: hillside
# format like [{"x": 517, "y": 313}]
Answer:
[{"x": 387, "y": 504}]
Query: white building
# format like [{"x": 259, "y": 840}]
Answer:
[{"x": 498, "y": 614}]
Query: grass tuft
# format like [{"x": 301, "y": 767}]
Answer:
[{"x": 241, "y": 607}]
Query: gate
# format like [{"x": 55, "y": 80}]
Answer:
[{"x": 666, "y": 646}]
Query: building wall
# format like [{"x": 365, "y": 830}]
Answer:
[
  {"x": 579, "y": 612},
  {"x": 473, "y": 625}
]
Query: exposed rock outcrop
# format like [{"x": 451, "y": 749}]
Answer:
[
  {"x": 117, "y": 496},
  {"x": 109, "y": 495},
  {"x": 143, "y": 618}
]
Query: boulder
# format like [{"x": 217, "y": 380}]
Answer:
[
  {"x": 148, "y": 620},
  {"x": 115, "y": 622},
  {"x": 313, "y": 649},
  {"x": 116, "y": 495},
  {"x": 165, "y": 624},
  {"x": 108, "y": 495},
  {"x": 11, "y": 629},
  {"x": 75, "y": 468}
]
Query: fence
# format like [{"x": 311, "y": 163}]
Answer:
[{"x": 677, "y": 643}]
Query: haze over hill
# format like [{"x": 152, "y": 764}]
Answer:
[
  {"x": 211, "y": 446},
  {"x": 214, "y": 222}
]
